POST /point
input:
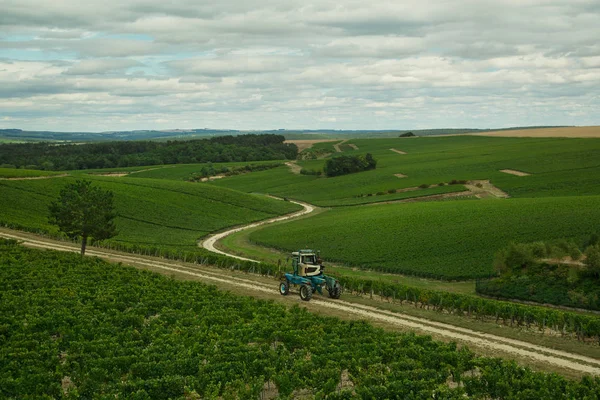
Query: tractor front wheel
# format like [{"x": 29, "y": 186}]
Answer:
[
  {"x": 284, "y": 288},
  {"x": 306, "y": 292}
]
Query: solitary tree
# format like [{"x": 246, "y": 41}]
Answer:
[{"x": 84, "y": 211}]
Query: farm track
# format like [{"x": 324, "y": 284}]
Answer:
[
  {"x": 209, "y": 243},
  {"x": 266, "y": 287}
]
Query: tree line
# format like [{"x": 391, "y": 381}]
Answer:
[{"x": 61, "y": 157}]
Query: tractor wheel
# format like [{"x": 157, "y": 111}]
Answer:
[
  {"x": 336, "y": 291},
  {"x": 284, "y": 287},
  {"x": 306, "y": 292}
]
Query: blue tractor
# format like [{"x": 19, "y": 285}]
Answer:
[{"x": 308, "y": 274}]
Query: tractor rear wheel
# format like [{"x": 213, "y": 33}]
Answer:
[
  {"x": 284, "y": 287},
  {"x": 336, "y": 291},
  {"x": 306, "y": 292}
]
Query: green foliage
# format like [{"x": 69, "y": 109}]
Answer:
[
  {"x": 449, "y": 240},
  {"x": 526, "y": 276},
  {"x": 305, "y": 171},
  {"x": 84, "y": 211},
  {"x": 343, "y": 165},
  {"x": 518, "y": 256},
  {"x": 592, "y": 260},
  {"x": 250, "y": 147},
  {"x": 114, "y": 331}
]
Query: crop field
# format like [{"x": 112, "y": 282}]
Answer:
[
  {"x": 559, "y": 167},
  {"x": 84, "y": 328},
  {"x": 150, "y": 212},
  {"x": 451, "y": 240}
]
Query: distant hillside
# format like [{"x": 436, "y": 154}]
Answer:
[{"x": 187, "y": 134}]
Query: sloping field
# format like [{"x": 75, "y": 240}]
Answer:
[
  {"x": 568, "y": 132},
  {"x": 559, "y": 167},
  {"x": 454, "y": 239},
  {"x": 150, "y": 212}
]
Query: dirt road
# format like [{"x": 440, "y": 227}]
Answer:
[
  {"x": 209, "y": 243},
  {"x": 262, "y": 287}
]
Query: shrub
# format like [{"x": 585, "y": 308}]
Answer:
[
  {"x": 592, "y": 260},
  {"x": 343, "y": 165},
  {"x": 424, "y": 186}
]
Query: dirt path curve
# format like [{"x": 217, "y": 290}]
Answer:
[
  {"x": 540, "y": 354},
  {"x": 209, "y": 243}
]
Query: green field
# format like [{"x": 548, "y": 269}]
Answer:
[
  {"x": 454, "y": 240},
  {"x": 150, "y": 212},
  {"x": 559, "y": 167},
  {"x": 442, "y": 239},
  {"x": 75, "y": 327}
]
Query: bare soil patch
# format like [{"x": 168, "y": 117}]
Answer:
[
  {"x": 212, "y": 178},
  {"x": 295, "y": 168},
  {"x": 398, "y": 151},
  {"x": 514, "y": 172},
  {"x": 400, "y": 175},
  {"x": 307, "y": 144},
  {"x": 483, "y": 188},
  {"x": 355, "y": 147},
  {"x": 568, "y": 132},
  {"x": 116, "y": 174},
  {"x": 337, "y": 145}
]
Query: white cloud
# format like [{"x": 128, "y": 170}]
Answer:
[{"x": 271, "y": 64}]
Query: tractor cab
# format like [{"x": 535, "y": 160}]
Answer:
[
  {"x": 307, "y": 263},
  {"x": 308, "y": 274}
]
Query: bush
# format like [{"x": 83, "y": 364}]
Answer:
[
  {"x": 343, "y": 165},
  {"x": 518, "y": 256},
  {"x": 424, "y": 186},
  {"x": 592, "y": 260},
  {"x": 390, "y": 191},
  {"x": 305, "y": 171}
]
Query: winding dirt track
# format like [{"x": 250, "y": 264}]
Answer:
[{"x": 209, "y": 243}]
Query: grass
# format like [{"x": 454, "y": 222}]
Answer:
[
  {"x": 150, "y": 212},
  {"x": 452, "y": 240}
]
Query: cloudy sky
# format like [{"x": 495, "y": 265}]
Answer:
[{"x": 153, "y": 64}]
